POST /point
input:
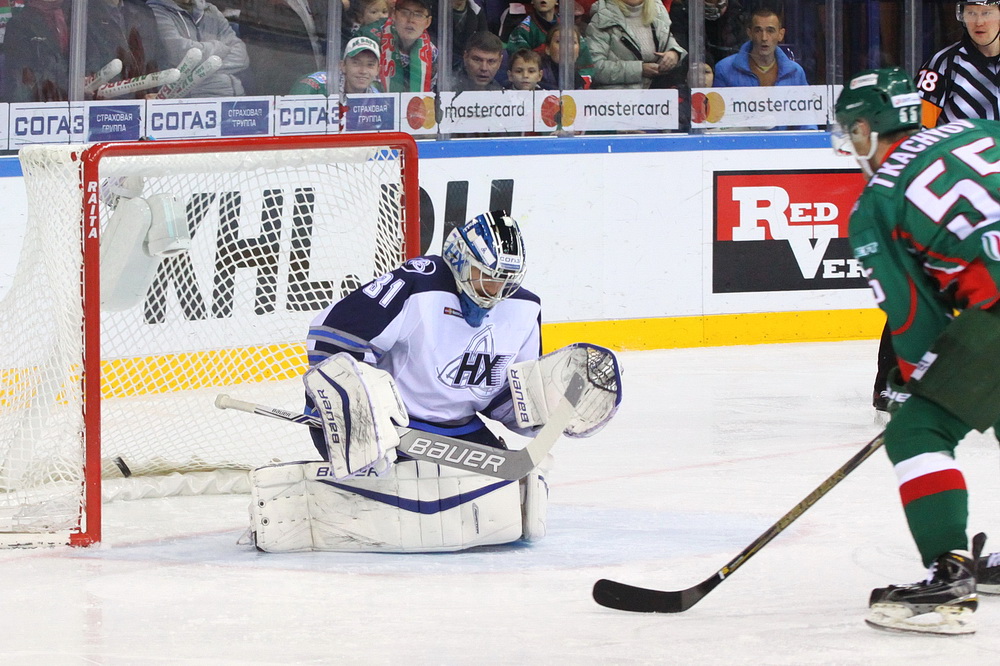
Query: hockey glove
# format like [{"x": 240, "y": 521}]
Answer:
[{"x": 896, "y": 391}]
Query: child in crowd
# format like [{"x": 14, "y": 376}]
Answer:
[
  {"x": 534, "y": 32},
  {"x": 358, "y": 70},
  {"x": 525, "y": 72},
  {"x": 363, "y": 12},
  {"x": 530, "y": 33},
  {"x": 550, "y": 62}
]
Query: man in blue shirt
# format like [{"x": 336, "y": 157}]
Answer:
[{"x": 760, "y": 62}]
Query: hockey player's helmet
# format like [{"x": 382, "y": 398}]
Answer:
[
  {"x": 886, "y": 98},
  {"x": 486, "y": 255},
  {"x": 960, "y": 7}
]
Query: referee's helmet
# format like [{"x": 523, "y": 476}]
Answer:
[{"x": 960, "y": 7}]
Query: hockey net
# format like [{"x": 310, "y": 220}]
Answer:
[{"x": 279, "y": 228}]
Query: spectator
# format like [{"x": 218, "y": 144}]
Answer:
[
  {"x": 187, "y": 24},
  {"x": 467, "y": 19},
  {"x": 723, "y": 32},
  {"x": 582, "y": 78},
  {"x": 482, "y": 59},
  {"x": 530, "y": 32},
  {"x": 364, "y": 12},
  {"x": 409, "y": 58},
  {"x": 525, "y": 71},
  {"x": 358, "y": 71},
  {"x": 631, "y": 43},
  {"x": 5, "y": 14},
  {"x": 533, "y": 32},
  {"x": 36, "y": 50},
  {"x": 723, "y": 29},
  {"x": 284, "y": 41},
  {"x": 760, "y": 61},
  {"x": 124, "y": 29}
]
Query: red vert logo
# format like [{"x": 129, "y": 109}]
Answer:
[{"x": 785, "y": 230}]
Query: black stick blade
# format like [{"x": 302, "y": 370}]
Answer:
[
  {"x": 624, "y": 597},
  {"x": 620, "y": 596}
]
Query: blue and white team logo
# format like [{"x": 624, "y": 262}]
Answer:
[
  {"x": 420, "y": 265},
  {"x": 991, "y": 245},
  {"x": 479, "y": 368}
]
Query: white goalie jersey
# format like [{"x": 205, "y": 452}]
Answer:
[{"x": 409, "y": 323}]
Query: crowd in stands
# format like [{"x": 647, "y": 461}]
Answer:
[{"x": 227, "y": 48}]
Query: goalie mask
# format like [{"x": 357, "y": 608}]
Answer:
[
  {"x": 886, "y": 99},
  {"x": 486, "y": 255}
]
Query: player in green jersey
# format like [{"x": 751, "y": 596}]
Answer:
[{"x": 927, "y": 231}]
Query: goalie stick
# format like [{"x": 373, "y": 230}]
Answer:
[
  {"x": 509, "y": 465},
  {"x": 624, "y": 597}
]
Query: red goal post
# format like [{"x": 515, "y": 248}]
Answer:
[{"x": 116, "y": 348}]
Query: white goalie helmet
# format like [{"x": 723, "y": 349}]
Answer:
[{"x": 486, "y": 255}]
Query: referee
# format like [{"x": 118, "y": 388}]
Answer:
[
  {"x": 963, "y": 80},
  {"x": 959, "y": 81}
]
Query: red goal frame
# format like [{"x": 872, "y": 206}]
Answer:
[{"x": 90, "y": 518}]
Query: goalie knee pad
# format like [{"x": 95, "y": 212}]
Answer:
[
  {"x": 417, "y": 507},
  {"x": 357, "y": 405}
]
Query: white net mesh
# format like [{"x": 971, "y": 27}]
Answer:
[{"x": 275, "y": 237}]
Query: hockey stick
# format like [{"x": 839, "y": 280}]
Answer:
[
  {"x": 643, "y": 600},
  {"x": 449, "y": 451}
]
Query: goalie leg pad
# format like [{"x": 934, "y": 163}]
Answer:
[
  {"x": 538, "y": 386},
  {"x": 535, "y": 501},
  {"x": 417, "y": 507},
  {"x": 357, "y": 404}
]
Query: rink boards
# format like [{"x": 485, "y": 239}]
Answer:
[{"x": 645, "y": 242}]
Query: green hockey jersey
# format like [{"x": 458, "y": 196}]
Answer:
[{"x": 926, "y": 231}]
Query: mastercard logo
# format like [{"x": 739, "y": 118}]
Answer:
[
  {"x": 707, "y": 107},
  {"x": 558, "y": 111},
  {"x": 420, "y": 113}
]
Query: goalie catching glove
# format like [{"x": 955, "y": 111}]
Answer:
[
  {"x": 357, "y": 404},
  {"x": 538, "y": 386}
]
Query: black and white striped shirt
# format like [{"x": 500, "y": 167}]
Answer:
[{"x": 961, "y": 82}]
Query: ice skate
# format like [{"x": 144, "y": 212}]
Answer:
[
  {"x": 943, "y": 603},
  {"x": 988, "y": 574}
]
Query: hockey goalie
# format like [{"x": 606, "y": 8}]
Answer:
[{"x": 433, "y": 346}]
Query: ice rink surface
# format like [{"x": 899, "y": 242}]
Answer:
[{"x": 710, "y": 447}]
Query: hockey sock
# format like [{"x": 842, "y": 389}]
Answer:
[
  {"x": 938, "y": 523},
  {"x": 920, "y": 441}
]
